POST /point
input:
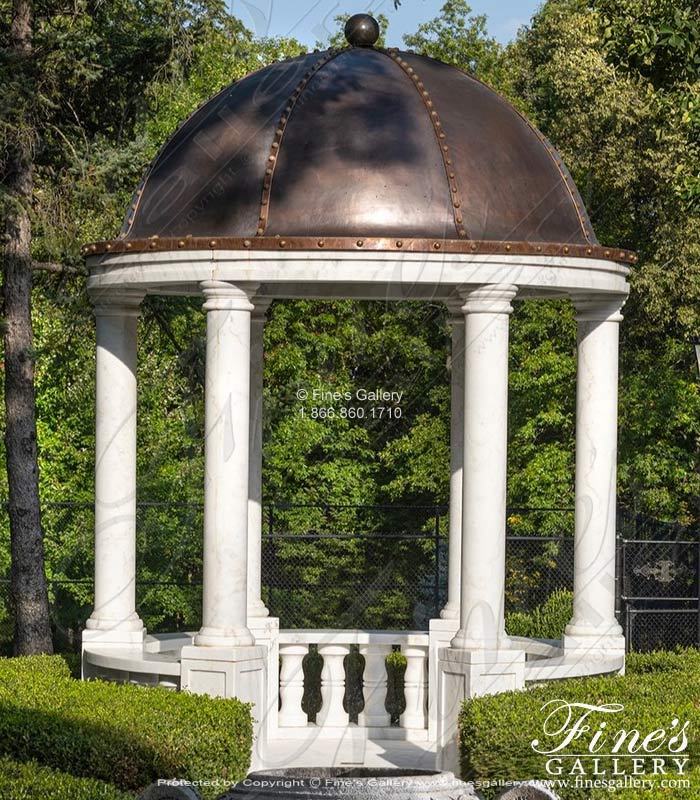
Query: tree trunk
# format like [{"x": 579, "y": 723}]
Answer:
[{"x": 29, "y": 592}]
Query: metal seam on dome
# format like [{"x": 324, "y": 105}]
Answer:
[
  {"x": 550, "y": 152},
  {"x": 138, "y": 194},
  {"x": 450, "y": 174},
  {"x": 271, "y": 162}
]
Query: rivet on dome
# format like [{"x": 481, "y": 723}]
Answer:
[
  {"x": 588, "y": 251},
  {"x": 539, "y": 248},
  {"x": 128, "y": 245},
  {"x": 456, "y": 204},
  {"x": 260, "y": 231},
  {"x": 321, "y": 243},
  {"x": 566, "y": 249},
  {"x": 212, "y": 243},
  {"x": 462, "y": 232},
  {"x": 360, "y": 242},
  {"x": 181, "y": 243},
  {"x": 607, "y": 254},
  {"x": 246, "y": 243},
  {"x": 282, "y": 243},
  {"x": 153, "y": 245},
  {"x": 108, "y": 246},
  {"x": 473, "y": 245},
  {"x": 508, "y": 248},
  {"x": 436, "y": 245},
  {"x": 399, "y": 243}
]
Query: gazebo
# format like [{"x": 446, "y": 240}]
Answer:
[{"x": 363, "y": 173}]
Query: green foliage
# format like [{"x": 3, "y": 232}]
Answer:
[
  {"x": 546, "y": 621},
  {"x": 23, "y": 781},
  {"x": 457, "y": 37},
  {"x": 614, "y": 85},
  {"x": 496, "y": 731},
  {"x": 126, "y": 735}
]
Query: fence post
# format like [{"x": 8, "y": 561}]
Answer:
[
  {"x": 436, "y": 593},
  {"x": 619, "y": 545},
  {"x": 697, "y": 592}
]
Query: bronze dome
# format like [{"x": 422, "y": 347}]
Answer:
[{"x": 359, "y": 147}]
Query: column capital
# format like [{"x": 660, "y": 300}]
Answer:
[
  {"x": 488, "y": 299},
  {"x": 123, "y": 302},
  {"x": 593, "y": 307},
  {"x": 224, "y": 296}
]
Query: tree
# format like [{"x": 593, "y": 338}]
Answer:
[{"x": 29, "y": 592}]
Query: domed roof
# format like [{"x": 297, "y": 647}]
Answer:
[{"x": 359, "y": 147}]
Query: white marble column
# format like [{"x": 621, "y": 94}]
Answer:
[
  {"x": 256, "y": 607},
  {"x": 486, "y": 319},
  {"x": 593, "y": 622},
  {"x": 454, "y": 568},
  {"x": 114, "y": 617},
  {"x": 226, "y": 450}
]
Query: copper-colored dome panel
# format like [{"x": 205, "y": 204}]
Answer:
[
  {"x": 359, "y": 145},
  {"x": 349, "y": 167}
]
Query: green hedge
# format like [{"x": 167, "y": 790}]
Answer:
[
  {"x": 30, "y": 781},
  {"x": 126, "y": 735},
  {"x": 547, "y": 621},
  {"x": 496, "y": 731}
]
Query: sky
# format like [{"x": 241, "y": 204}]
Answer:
[{"x": 311, "y": 21}]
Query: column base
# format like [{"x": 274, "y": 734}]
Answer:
[
  {"x": 111, "y": 631},
  {"x": 215, "y": 637},
  {"x": 470, "y": 673},
  {"x": 256, "y": 609},
  {"x": 227, "y": 672},
  {"x": 450, "y": 611},
  {"x": 594, "y": 645}
]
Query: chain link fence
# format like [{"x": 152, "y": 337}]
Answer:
[{"x": 375, "y": 567}]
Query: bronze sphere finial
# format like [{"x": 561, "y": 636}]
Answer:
[{"x": 362, "y": 30}]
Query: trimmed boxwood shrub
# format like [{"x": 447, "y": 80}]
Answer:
[
  {"x": 30, "y": 781},
  {"x": 126, "y": 735},
  {"x": 496, "y": 731},
  {"x": 546, "y": 621}
]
